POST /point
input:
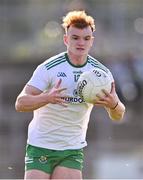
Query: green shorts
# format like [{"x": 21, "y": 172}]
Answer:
[{"x": 46, "y": 160}]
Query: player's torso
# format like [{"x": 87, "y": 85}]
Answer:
[
  {"x": 53, "y": 125},
  {"x": 62, "y": 68}
]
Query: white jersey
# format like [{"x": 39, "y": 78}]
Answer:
[{"x": 54, "y": 126}]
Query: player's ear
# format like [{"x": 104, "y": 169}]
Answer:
[
  {"x": 65, "y": 39},
  {"x": 92, "y": 40}
]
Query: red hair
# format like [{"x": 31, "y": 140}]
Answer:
[{"x": 78, "y": 19}]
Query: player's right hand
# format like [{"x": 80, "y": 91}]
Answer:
[{"x": 55, "y": 95}]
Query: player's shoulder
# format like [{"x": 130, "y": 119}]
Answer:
[
  {"x": 96, "y": 64},
  {"x": 51, "y": 62},
  {"x": 54, "y": 60}
]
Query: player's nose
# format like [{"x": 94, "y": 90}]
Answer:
[{"x": 80, "y": 42}]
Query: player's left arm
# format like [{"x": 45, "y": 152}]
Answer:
[
  {"x": 112, "y": 104},
  {"x": 116, "y": 113}
]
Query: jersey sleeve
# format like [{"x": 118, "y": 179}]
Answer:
[
  {"x": 40, "y": 78},
  {"x": 110, "y": 74},
  {"x": 107, "y": 70}
]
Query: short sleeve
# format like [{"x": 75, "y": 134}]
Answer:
[
  {"x": 111, "y": 76},
  {"x": 39, "y": 78}
]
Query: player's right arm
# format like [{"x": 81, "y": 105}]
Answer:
[{"x": 32, "y": 98}]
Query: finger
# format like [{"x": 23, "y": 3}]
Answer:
[
  {"x": 100, "y": 97},
  {"x": 63, "y": 104},
  {"x": 112, "y": 87},
  {"x": 58, "y": 84},
  {"x": 60, "y": 90},
  {"x": 105, "y": 92},
  {"x": 100, "y": 102},
  {"x": 98, "y": 105}
]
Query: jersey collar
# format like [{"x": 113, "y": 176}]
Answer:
[{"x": 77, "y": 66}]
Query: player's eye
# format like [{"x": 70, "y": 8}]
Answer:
[
  {"x": 75, "y": 37},
  {"x": 87, "y": 38}
]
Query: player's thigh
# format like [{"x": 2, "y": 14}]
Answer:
[
  {"x": 66, "y": 173},
  {"x": 36, "y": 174}
]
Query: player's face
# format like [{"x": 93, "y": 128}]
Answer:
[{"x": 79, "y": 41}]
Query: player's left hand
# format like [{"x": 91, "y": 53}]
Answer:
[{"x": 108, "y": 100}]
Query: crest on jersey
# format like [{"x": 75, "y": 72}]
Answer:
[{"x": 75, "y": 93}]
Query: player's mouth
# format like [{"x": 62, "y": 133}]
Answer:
[{"x": 80, "y": 49}]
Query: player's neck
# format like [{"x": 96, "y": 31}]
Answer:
[{"x": 77, "y": 60}]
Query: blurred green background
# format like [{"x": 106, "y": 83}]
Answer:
[{"x": 30, "y": 32}]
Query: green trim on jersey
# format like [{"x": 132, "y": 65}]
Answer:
[
  {"x": 55, "y": 62},
  {"x": 77, "y": 66},
  {"x": 96, "y": 63}
]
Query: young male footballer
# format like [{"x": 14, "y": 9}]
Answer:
[{"x": 57, "y": 132}]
